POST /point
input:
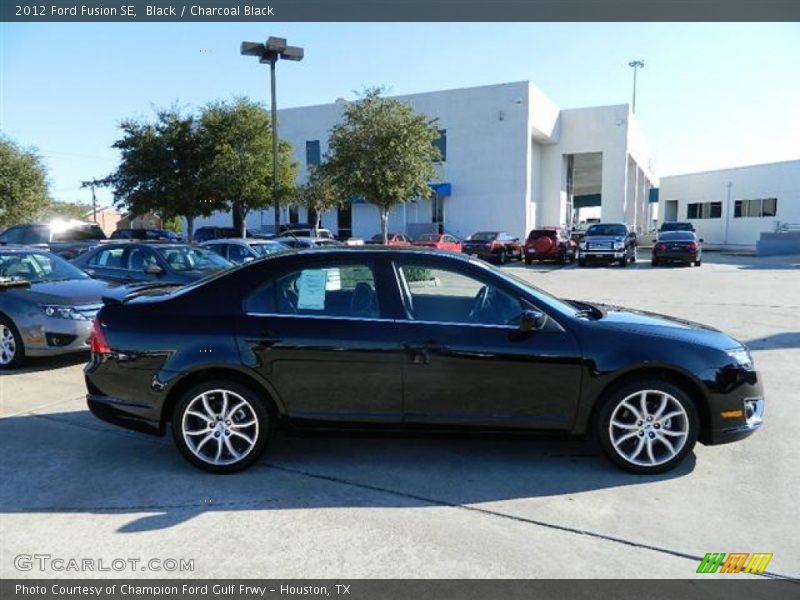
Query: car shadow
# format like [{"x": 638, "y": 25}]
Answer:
[
  {"x": 776, "y": 341},
  {"x": 72, "y": 463},
  {"x": 37, "y": 364}
]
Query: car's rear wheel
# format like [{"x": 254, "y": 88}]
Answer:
[
  {"x": 647, "y": 426},
  {"x": 221, "y": 426},
  {"x": 698, "y": 262},
  {"x": 623, "y": 262},
  {"x": 528, "y": 261},
  {"x": 655, "y": 262},
  {"x": 581, "y": 262},
  {"x": 12, "y": 350}
]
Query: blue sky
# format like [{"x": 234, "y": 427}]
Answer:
[{"x": 710, "y": 95}]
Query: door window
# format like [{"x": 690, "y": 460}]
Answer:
[
  {"x": 452, "y": 296},
  {"x": 333, "y": 290},
  {"x": 110, "y": 258},
  {"x": 237, "y": 253}
]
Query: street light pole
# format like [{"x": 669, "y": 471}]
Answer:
[
  {"x": 270, "y": 52},
  {"x": 635, "y": 65}
]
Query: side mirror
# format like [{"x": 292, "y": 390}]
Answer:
[
  {"x": 90, "y": 272},
  {"x": 532, "y": 320},
  {"x": 153, "y": 269}
]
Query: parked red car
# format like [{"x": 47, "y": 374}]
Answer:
[
  {"x": 550, "y": 243},
  {"x": 392, "y": 239},
  {"x": 440, "y": 241}
]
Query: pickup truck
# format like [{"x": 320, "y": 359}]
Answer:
[
  {"x": 66, "y": 239},
  {"x": 609, "y": 243}
]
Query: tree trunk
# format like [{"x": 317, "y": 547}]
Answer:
[
  {"x": 318, "y": 222},
  {"x": 385, "y": 225},
  {"x": 237, "y": 212},
  {"x": 189, "y": 228}
]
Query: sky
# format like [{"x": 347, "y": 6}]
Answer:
[{"x": 709, "y": 96}]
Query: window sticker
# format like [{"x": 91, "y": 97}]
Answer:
[{"x": 311, "y": 292}]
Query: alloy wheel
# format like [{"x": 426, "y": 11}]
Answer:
[
  {"x": 648, "y": 428},
  {"x": 8, "y": 345},
  {"x": 220, "y": 427}
]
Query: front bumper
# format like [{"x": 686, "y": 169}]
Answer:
[
  {"x": 603, "y": 254},
  {"x": 51, "y": 337},
  {"x": 736, "y": 406}
]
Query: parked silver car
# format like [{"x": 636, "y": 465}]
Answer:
[{"x": 46, "y": 305}]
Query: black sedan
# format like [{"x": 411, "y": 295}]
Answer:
[
  {"x": 130, "y": 262},
  {"x": 409, "y": 338},
  {"x": 678, "y": 246}
]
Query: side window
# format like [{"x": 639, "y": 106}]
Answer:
[
  {"x": 110, "y": 258},
  {"x": 237, "y": 253},
  {"x": 140, "y": 258},
  {"x": 14, "y": 235},
  {"x": 334, "y": 290},
  {"x": 220, "y": 249},
  {"x": 451, "y": 296},
  {"x": 35, "y": 235}
]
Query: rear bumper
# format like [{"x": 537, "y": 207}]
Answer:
[
  {"x": 676, "y": 256},
  {"x": 124, "y": 414}
]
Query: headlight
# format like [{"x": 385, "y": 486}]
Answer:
[
  {"x": 619, "y": 245},
  {"x": 741, "y": 356},
  {"x": 63, "y": 312},
  {"x": 582, "y": 245}
]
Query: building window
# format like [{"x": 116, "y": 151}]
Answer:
[
  {"x": 294, "y": 217},
  {"x": 704, "y": 210},
  {"x": 441, "y": 144},
  {"x": 759, "y": 207},
  {"x": 313, "y": 156}
]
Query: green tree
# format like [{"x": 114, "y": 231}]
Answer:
[
  {"x": 67, "y": 210},
  {"x": 23, "y": 184},
  {"x": 239, "y": 142},
  {"x": 320, "y": 192},
  {"x": 163, "y": 168},
  {"x": 383, "y": 152}
]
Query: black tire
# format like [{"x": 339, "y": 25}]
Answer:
[
  {"x": 528, "y": 261},
  {"x": 19, "y": 347},
  {"x": 581, "y": 262},
  {"x": 562, "y": 257},
  {"x": 655, "y": 262},
  {"x": 501, "y": 258},
  {"x": 258, "y": 409},
  {"x": 699, "y": 262},
  {"x": 655, "y": 389},
  {"x": 623, "y": 262}
]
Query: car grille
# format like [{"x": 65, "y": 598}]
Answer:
[{"x": 599, "y": 245}]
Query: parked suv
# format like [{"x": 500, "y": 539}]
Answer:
[
  {"x": 66, "y": 239},
  {"x": 550, "y": 243},
  {"x": 608, "y": 242}
]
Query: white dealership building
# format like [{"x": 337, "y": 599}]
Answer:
[
  {"x": 512, "y": 161},
  {"x": 734, "y": 207}
]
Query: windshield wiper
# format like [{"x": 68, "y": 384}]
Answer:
[{"x": 587, "y": 310}]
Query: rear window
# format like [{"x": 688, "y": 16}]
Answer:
[
  {"x": 677, "y": 226},
  {"x": 537, "y": 233},
  {"x": 484, "y": 236},
  {"x": 677, "y": 236}
]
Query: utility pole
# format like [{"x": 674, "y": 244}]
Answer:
[
  {"x": 92, "y": 183},
  {"x": 635, "y": 65}
]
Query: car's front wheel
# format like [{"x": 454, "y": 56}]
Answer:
[
  {"x": 12, "y": 350},
  {"x": 647, "y": 426},
  {"x": 221, "y": 426}
]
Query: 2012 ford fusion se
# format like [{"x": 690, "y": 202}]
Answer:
[{"x": 409, "y": 338}]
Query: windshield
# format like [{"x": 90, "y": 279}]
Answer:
[
  {"x": 77, "y": 233},
  {"x": 264, "y": 249},
  {"x": 556, "y": 304},
  {"x": 483, "y": 236},
  {"x": 187, "y": 258},
  {"x": 606, "y": 229},
  {"x": 37, "y": 267}
]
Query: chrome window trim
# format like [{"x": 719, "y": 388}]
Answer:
[{"x": 380, "y": 320}]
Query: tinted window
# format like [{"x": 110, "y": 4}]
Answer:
[
  {"x": 333, "y": 289},
  {"x": 606, "y": 229},
  {"x": 140, "y": 258},
  {"x": 447, "y": 295},
  {"x": 79, "y": 233},
  {"x": 681, "y": 236},
  {"x": 537, "y": 233},
  {"x": 13, "y": 235},
  {"x": 38, "y": 234},
  {"x": 237, "y": 253}
]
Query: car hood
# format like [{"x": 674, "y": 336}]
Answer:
[
  {"x": 653, "y": 324},
  {"x": 71, "y": 291}
]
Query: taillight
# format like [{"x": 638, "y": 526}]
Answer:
[
  {"x": 97, "y": 339},
  {"x": 692, "y": 246},
  {"x": 660, "y": 247},
  {"x": 496, "y": 245}
]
